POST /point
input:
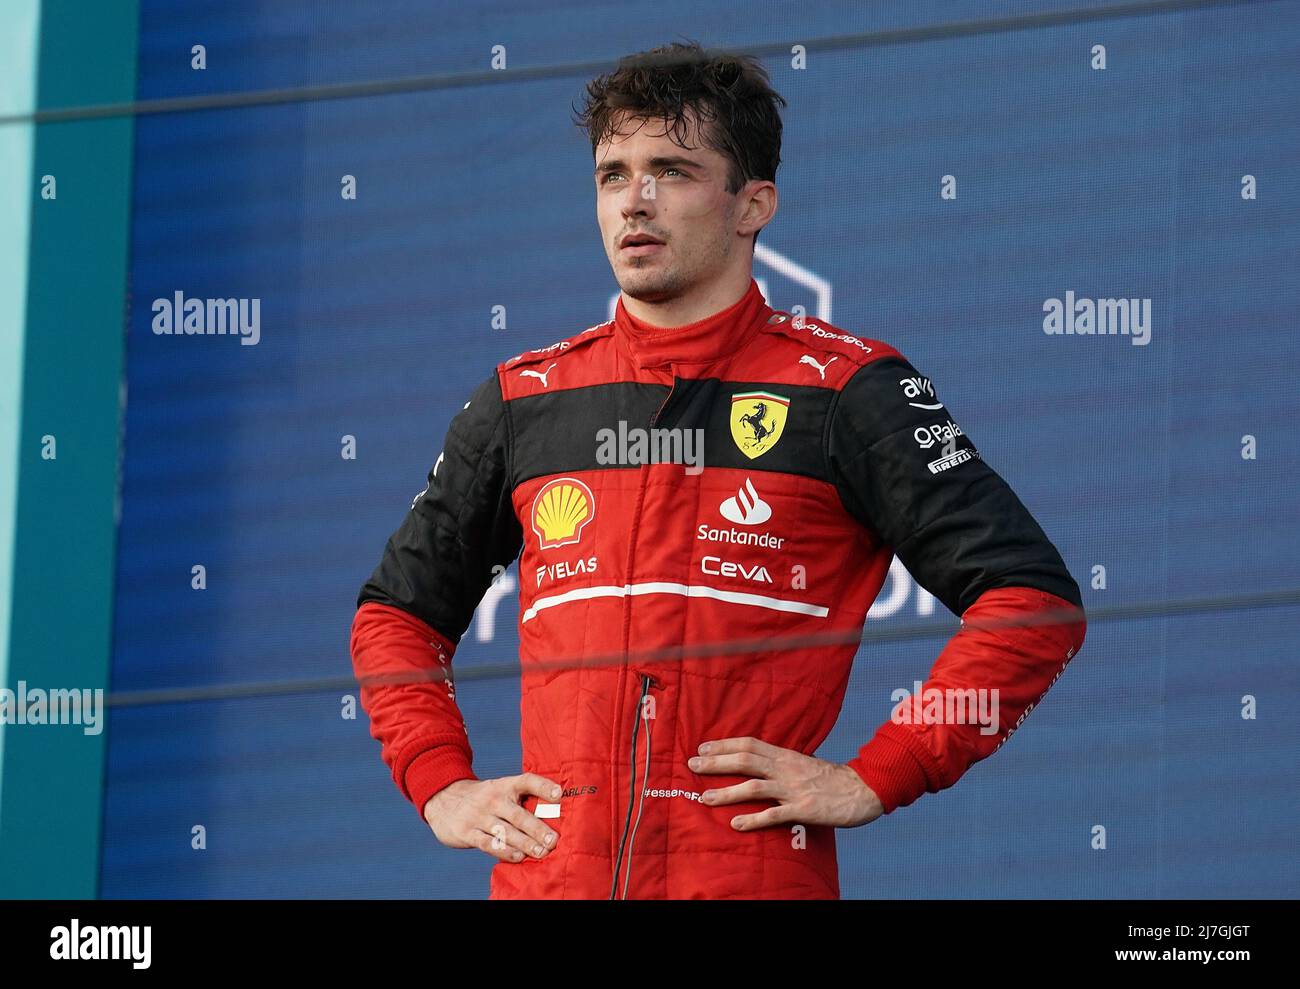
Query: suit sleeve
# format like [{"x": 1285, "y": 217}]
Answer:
[
  {"x": 907, "y": 471},
  {"x": 459, "y": 534}
]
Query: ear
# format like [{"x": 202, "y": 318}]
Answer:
[{"x": 758, "y": 199}]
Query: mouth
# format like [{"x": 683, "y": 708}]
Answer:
[
  {"x": 641, "y": 250},
  {"x": 637, "y": 245}
]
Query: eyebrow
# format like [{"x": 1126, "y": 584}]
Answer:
[{"x": 660, "y": 161}]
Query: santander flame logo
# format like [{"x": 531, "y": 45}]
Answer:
[{"x": 746, "y": 508}]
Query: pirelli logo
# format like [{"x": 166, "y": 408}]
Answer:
[{"x": 950, "y": 461}]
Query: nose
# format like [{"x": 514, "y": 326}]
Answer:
[{"x": 636, "y": 202}]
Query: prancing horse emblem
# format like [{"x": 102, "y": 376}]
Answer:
[{"x": 757, "y": 420}]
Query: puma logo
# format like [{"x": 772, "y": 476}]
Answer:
[
  {"x": 821, "y": 368},
  {"x": 540, "y": 375}
]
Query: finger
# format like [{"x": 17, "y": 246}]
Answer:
[
  {"x": 538, "y": 786},
  {"x": 736, "y": 763},
  {"x": 749, "y": 790},
  {"x": 506, "y": 842},
  {"x": 763, "y": 819},
  {"x": 740, "y": 743},
  {"x": 543, "y": 838},
  {"x": 485, "y": 842}
]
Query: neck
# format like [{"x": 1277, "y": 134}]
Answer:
[
  {"x": 693, "y": 306},
  {"x": 721, "y": 333}
]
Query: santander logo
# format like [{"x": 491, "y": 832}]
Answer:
[{"x": 746, "y": 508}]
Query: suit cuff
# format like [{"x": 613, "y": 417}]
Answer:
[
  {"x": 432, "y": 771},
  {"x": 889, "y": 766}
]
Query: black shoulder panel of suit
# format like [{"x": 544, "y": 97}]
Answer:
[
  {"x": 903, "y": 468},
  {"x": 442, "y": 559},
  {"x": 561, "y": 431}
]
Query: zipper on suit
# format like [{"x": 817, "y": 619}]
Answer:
[
  {"x": 628, "y": 839},
  {"x": 654, "y": 419},
  {"x": 619, "y": 850}
]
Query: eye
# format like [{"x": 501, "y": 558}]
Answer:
[{"x": 604, "y": 179}]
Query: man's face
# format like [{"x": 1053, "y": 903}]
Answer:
[{"x": 647, "y": 184}]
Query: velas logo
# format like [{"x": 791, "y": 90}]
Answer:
[
  {"x": 561, "y": 510},
  {"x": 757, "y": 419}
]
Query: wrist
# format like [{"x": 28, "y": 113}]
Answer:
[
  {"x": 869, "y": 804},
  {"x": 433, "y": 770},
  {"x": 433, "y": 806}
]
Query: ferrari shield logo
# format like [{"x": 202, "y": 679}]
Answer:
[{"x": 757, "y": 418}]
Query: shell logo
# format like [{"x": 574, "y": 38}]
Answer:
[{"x": 561, "y": 510}]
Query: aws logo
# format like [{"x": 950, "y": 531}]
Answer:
[{"x": 561, "y": 510}]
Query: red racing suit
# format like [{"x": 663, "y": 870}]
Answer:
[{"x": 742, "y": 482}]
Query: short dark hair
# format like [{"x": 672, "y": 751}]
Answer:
[{"x": 730, "y": 94}]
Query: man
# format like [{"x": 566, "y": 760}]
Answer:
[{"x": 687, "y": 628}]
